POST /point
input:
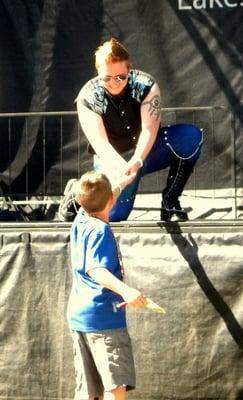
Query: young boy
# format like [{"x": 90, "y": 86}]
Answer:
[{"x": 102, "y": 347}]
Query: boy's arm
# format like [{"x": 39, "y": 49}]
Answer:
[
  {"x": 121, "y": 183},
  {"x": 105, "y": 278}
]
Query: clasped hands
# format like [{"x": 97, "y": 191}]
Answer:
[
  {"x": 128, "y": 172},
  {"x": 121, "y": 172}
]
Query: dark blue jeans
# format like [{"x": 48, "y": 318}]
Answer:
[{"x": 181, "y": 140}]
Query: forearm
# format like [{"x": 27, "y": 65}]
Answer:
[
  {"x": 108, "y": 156},
  {"x": 132, "y": 297},
  {"x": 145, "y": 144},
  {"x": 106, "y": 279}
]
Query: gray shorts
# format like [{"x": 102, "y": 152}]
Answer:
[{"x": 103, "y": 362}]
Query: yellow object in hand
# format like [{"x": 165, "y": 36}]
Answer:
[{"x": 154, "y": 306}]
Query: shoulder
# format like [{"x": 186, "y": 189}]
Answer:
[
  {"x": 140, "y": 83},
  {"x": 141, "y": 77},
  {"x": 91, "y": 226},
  {"x": 100, "y": 226},
  {"x": 93, "y": 85},
  {"x": 99, "y": 237},
  {"x": 92, "y": 95}
]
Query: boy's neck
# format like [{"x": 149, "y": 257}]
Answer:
[
  {"x": 105, "y": 213},
  {"x": 102, "y": 215}
]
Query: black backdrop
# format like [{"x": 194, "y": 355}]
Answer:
[{"x": 193, "y": 48}]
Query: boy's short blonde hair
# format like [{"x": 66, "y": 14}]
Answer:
[
  {"x": 111, "y": 51},
  {"x": 93, "y": 191}
]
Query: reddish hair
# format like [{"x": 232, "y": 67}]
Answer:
[
  {"x": 93, "y": 191},
  {"x": 111, "y": 51}
]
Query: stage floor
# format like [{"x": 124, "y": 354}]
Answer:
[
  {"x": 204, "y": 205},
  {"x": 205, "y": 208}
]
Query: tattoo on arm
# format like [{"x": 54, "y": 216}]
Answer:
[{"x": 154, "y": 106}]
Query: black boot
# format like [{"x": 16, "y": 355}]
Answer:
[{"x": 179, "y": 173}]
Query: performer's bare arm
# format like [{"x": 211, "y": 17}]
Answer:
[
  {"x": 150, "y": 117},
  {"x": 95, "y": 132}
]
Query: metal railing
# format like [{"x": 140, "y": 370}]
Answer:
[{"x": 41, "y": 151}]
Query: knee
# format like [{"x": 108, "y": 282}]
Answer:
[
  {"x": 121, "y": 210},
  {"x": 196, "y": 133}
]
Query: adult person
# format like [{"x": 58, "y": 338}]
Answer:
[
  {"x": 120, "y": 113},
  {"x": 102, "y": 347}
]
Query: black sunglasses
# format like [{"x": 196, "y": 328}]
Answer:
[{"x": 116, "y": 78}]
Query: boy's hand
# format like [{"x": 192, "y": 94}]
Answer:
[
  {"x": 125, "y": 180},
  {"x": 120, "y": 183},
  {"x": 133, "y": 166},
  {"x": 134, "y": 298}
]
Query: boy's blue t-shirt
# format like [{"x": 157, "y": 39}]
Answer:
[{"x": 91, "y": 307}]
